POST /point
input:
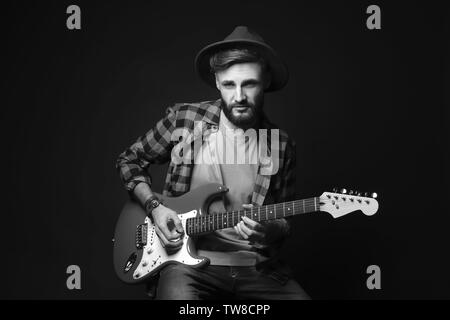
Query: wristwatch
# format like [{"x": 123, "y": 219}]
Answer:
[{"x": 151, "y": 203}]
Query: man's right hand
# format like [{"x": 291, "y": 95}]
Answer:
[{"x": 168, "y": 228}]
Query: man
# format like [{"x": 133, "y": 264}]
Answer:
[{"x": 243, "y": 259}]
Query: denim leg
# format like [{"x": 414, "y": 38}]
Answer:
[
  {"x": 255, "y": 285},
  {"x": 181, "y": 282}
]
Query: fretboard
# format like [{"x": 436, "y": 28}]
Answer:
[{"x": 216, "y": 221}]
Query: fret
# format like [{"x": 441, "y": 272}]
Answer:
[
  {"x": 303, "y": 202},
  {"x": 284, "y": 209},
  {"x": 315, "y": 207}
]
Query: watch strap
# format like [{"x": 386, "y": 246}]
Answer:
[{"x": 149, "y": 204}]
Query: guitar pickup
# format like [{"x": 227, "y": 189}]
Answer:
[{"x": 141, "y": 235}]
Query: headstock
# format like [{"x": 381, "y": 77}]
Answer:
[{"x": 341, "y": 202}]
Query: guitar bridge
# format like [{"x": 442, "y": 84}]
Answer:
[{"x": 141, "y": 235}]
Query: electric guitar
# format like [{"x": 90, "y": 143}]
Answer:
[{"x": 139, "y": 255}]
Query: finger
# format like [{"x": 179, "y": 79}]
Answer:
[
  {"x": 162, "y": 238},
  {"x": 178, "y": 225},
  {"x": 240, "y": 232},
  {"x": 247, "y": 206},
  {"x": 174, "y": 246},
  {"x": 163, "y": 227},
  {"x": 174, "y": 233},
  {"x": 253, "y": 224},
  {"x": 250, "y": 232},
  {"x": 249, "y": 222},
  {"x": 168, "y": 244}
]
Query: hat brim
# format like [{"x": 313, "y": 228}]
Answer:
[{"x": 277, "y": 67}]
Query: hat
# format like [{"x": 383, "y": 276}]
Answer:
[{"x": 242, "y": 37}]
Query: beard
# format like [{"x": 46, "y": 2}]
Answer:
[{"x": 242, "y": 115}]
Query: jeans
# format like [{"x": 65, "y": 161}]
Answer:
[{"x": 181, "y": 282}]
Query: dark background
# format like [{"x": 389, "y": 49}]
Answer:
[{"x": 366, "y": 109}]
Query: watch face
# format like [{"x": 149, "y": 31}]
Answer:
[{"x": 154, "y": 203}]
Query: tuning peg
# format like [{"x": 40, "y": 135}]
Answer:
[
  {"x": 359, "y": 194},
  {"x": 343, "y": 190},
  {"x": 350, "y": 192},
  {"x": 366, "y": 194},
  {"x": 374, "y": 195},
  {"x": 335, "y": 189}
]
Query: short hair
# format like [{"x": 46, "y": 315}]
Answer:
[{"x": 222, "y": 60}]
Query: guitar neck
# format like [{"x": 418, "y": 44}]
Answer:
[{"x": 217, "y": 221}]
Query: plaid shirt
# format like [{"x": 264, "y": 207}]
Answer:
[{"x": 157, "y": 146}]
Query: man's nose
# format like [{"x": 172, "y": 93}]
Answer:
[{"x": 239, "y": 95}]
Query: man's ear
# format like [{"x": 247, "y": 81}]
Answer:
[{"x": 217, "y": 82}]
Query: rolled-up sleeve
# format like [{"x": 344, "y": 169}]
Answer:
[{"x": 154, "y": 147}]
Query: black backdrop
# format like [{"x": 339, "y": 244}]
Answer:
[{"x": 365, "y": 107}]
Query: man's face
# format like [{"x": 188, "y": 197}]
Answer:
[{"x": 242, "y": 89}]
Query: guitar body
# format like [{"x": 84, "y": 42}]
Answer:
[{"x": 138, "y": 254}]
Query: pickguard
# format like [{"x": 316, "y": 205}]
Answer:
[{"x": 155, "y": 255}]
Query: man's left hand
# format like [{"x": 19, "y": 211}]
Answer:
[{"x": 263, "y": 233}]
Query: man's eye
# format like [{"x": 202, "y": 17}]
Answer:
[
  {"x": 228, "y": 85},
  {"x": 251, "y": 84}
]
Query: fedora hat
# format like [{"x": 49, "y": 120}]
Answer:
[{"x": 243, "y": 37}]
